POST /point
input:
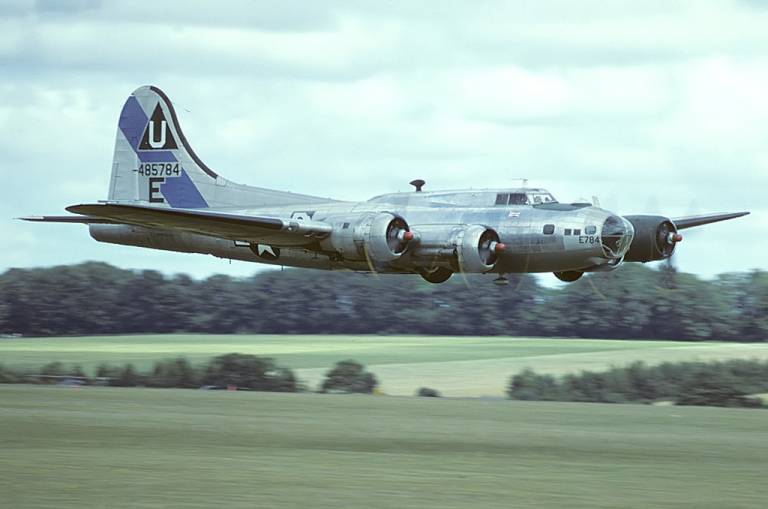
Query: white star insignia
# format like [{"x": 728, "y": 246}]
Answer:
[{"x": 266, "y": 251}]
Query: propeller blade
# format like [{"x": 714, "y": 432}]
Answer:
[{"x": 370, "y": 262}]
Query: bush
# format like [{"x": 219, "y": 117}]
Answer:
[
  {"x": 249, "y": 372},
  {"x": 53, "y": 372},
  {"x": 243, "y": 371},
  {"x": 174, "y": 373},
  {"x": 107, "y": 371},
  {"x": 9, "y": 376},
  {"x": 349, "y": 377},
  {"x": 426, "y": 392},
  {"x": 126, "y": 377},
  {"x": 687, "y": 383},
  {"x": 701, "y": 389},
  {"x": 53, "y": 369},
  {"x": 528, "y": 385}
]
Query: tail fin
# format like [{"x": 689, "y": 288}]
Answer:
[{"x": 154, "y": 164}]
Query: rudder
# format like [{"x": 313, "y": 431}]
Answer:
[{"x": 153, "y": 162}]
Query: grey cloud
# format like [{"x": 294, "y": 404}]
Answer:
[
  {"x": 126, "y": 38},
  {"x": 268, "y": 15},
  {"x": 68, "y": 7},
  {"x": 754, "y": 4}
]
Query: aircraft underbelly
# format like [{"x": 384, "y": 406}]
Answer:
[{"x": 201, "y": 244}]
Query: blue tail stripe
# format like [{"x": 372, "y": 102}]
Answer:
[
  {"x": 133, "y": 121},
  {"x": 181, "y": 192}
]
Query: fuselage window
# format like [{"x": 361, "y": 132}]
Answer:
[
  {"x": 590, "y": 230},
  {"x": 567, "y": 231},
  {"x": 518, "y": 199},
  {"x": 501, "y": 199},
  {"x": 549, "y": 229},
  {"x": 577, "y": 232}
]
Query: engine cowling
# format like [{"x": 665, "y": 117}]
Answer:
[
  {"x": 378, "y": 238},
  {"x": 461, "y": 248},
  {"x": 655, "y": 238},
  {"x": 477, "y": 249}
]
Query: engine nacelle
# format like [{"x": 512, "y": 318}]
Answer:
[
  {"x": 462, "y": 248},
  {"x": 655, "y": 238},
  {"x": 378, "y": 237},
  {"x": 477, "y": 249}
]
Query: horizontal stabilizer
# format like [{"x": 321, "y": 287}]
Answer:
[
  {"x": 67, "y": 219},
  {"x": 691, "y": 221},
  {"x": 272, "y": 230}
]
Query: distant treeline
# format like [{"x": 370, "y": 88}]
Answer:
[
  {"x": 632, "y": 302},
  {"x": 726, "y": 383},
  {"x": 231, "y": 371}
]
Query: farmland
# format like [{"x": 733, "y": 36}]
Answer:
[{"x": 151, "y": 448}]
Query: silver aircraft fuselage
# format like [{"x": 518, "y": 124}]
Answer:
[{"x": 573, "y": 244}]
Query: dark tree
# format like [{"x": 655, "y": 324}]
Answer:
[
  {"x": 174, "y": 373},
  {"x": 702, "y": 389},
  {"x": 725, "y": 383},
  {"x": 249, "y": 372},
  {"x": 349, "y": 376},
  {"x": 127, "y": 376},
  {"x": 634, "y": 301}
]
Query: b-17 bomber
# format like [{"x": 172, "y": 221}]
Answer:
[{"x": 162, "y": 196}]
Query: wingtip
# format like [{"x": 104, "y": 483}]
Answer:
[
  {"x": 693, "y": 221},
  {"x": 79, "y": 208}
]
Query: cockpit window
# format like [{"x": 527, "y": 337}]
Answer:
[
  {"x": 533, "y": 198},
  {"x": 539, "y": 198}
]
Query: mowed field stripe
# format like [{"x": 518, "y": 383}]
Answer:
[
  {"x": 294, "y": 351},
  {"x": 151, "y": 448}
]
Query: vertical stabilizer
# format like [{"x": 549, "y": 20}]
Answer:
[{"x": 154, "y": 163}]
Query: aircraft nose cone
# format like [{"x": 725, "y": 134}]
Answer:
[{"x": 616, "y": 236}]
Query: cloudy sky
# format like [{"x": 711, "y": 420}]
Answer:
[{"x": 654, "y": 106}]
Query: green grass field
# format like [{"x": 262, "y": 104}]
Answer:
[
  {"x": 153, "y": 448},
  {"x": 457, "y": 366}
]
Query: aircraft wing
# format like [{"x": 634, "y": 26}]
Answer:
[
  {"x": 262, "y": 229},
  {"x": 691, "y": 221}
]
